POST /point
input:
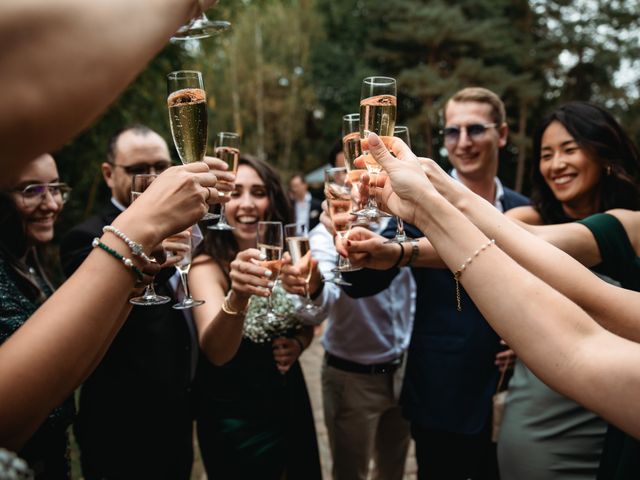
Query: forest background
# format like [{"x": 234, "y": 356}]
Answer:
[{"x": 287, "y": 71}]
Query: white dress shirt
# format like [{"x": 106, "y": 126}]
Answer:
[
  {"x": 303, "y": 210},
  {"x": 368, "y": 330}
]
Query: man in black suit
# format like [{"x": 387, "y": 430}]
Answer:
[
  {"x": 307, "y": 208},
  {"x": 134, "y": 418},
  {"x": 451, "y": 371}
]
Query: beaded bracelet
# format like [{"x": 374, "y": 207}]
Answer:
[
  {"x": 400, "y": 257},
  {"x": 135, "y": 247},
  {"x": 126, "y": 261},
  {"x": 458, "y": 273}
]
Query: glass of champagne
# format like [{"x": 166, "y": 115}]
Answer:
[
  {"x": 183, "y": 267},
  {"x": 299, "y": 248},
  {"x": 377, "y": 114},
  {"x": 187, "y": 103},
  {"x": 139, "y": 184},
  {"x": 352, "y": 148},
  {"x": 270, "y": 244},
  {"x": 227, "y": 148},
  {"x": 401, "y": 132},
  {"x": 338, "y": 194}
]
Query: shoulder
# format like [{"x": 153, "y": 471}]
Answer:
[
  {"x": 206, "y": 267},
  {"x": 630, "y": 220},
  {"x": 526, "y": 214}
]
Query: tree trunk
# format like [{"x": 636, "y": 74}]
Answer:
[{"x": 259, "y": 92}]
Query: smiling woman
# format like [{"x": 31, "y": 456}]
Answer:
[
  {"x": 30, "y": 209},
  {"x": 585, "y": 164}
]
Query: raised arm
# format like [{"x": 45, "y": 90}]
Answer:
[
  {"x": 578, "y": 358},
  {"x": 54, "y": 351},
  {"x": 63, "y": 62}
]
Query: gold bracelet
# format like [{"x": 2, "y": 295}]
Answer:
[
  {"x": 458, "y": 273},
  {"x": 226, "y": 307}
]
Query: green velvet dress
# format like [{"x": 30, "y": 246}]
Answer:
[{"x": 252, "y": 421}]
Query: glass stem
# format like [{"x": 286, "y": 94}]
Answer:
[
  {"x": 400, "y": 235},
  {"x": 222, "y": 220},
  {"x": 371, "y": 200},
  {"x": 185, "y": 284},
  {"x": 149, "y": 291}
]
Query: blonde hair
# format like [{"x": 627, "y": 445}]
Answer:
[{"x": 481, "y": 95}]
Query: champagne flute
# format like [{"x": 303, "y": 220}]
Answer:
[
  {"x": 139, "y": 184},
  {"x": 270, "y": 244},
  {"x": 299, "y": 248},
  {"x": 401, "y": 132},
  {"x": 227, "y": 148},
  {"x": 338, "y": 194},
  {"x": 183, "y": 267},
  {"x": 352, "y": 148},
  {"x": 200, "y": 27},
  {"x": 378, "y": 115},
  {"x": 187, "y": 103}
]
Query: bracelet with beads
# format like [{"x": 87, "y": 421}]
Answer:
[
  {"x": 126, "y": 261},
  {"x": 135, "y": 247}
]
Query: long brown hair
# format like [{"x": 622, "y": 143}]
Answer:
[{"x": 222, "y": 245}]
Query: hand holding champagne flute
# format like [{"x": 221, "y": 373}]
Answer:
[
  {"x": 139, "y": 183},
  {"x": 187, "y": 104},
  {"x": 378, "y": 115}
]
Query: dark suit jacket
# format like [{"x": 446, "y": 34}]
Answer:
[
  {"x": 450, "y": 375},
  {"x": 134, "y": 418}
]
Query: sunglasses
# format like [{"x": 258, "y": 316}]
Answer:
[
  {"x": 33, "y": 195},
  {"x": 474, "y": 131},
  {"x": 144, "y": 168}
]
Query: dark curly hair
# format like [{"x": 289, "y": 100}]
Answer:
[
  {"x": 598, "y": 133},
  {"x": 222, "y": 245}
]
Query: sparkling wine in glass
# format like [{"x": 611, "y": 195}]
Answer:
[
  {"x": 270, "y": 244},
  {"x": 183, "y": 267},
  {"x": 227, "y": 148},
  {"x": 300, "y": 250},
  {"x": 402, "y": 133},
  {"x": 352, "y": 149},
  {"x": 139, "y": 184},
  {"x": 338, "y": 194},
  {"x": 187, "y": 104},
  {"x": 377, "y": 114}
]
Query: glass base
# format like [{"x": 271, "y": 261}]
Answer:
[
  {"x": 346, "y": 268},
  {"x": 200, "y": 29},
  {"x": 269, "y": 317},
  {"x": 309, "y": 308},
  {"x": 220, "y": 226},
  {"x": 338, "y": 280},
  {"x": 148, "y": 300},
  {"x": 371, "y": 213},
  {"x": 210, "y": 216},
  {"x": 187, "y": 303}
]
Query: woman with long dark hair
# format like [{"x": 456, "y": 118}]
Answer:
[
  {"x": 29, "y": 209},
  {"x": 254, "y": 418},
  {"x": 584, "y": 164}
]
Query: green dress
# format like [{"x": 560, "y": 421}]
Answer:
[
  {"x": 621, "y": 454},
  {"x": 562, "y": 439},
  {"x": 252, "y": 421}
]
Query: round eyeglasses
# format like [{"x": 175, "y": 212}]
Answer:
[{"x": 33, "y": 195}]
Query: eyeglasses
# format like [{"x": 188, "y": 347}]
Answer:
[
  {"x": 34, "y": 195},
  {"x": 474, "y": 131},
  {"x": 144, "y": 168}
]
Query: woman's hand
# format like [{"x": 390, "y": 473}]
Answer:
[
  {"x": 293, "y": 277},
  {"x": 249, "y": 276},
  {"x": 285, "y": 352},
  {"x": 175, "y": 247},
  {"x": 225, "y": 179}
]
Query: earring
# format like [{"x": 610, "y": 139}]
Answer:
[{"x": 608, "y": 170}]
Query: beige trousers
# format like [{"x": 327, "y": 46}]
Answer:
[{"x": 364, "y": 423}]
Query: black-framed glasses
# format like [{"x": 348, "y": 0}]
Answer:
[
  {"x": 474, "y": 131},
  {"x": 144, "y": 168},
  {"x": 34, "y": 194}
]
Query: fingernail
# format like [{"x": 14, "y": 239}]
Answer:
[
  {"x": 374, "y": 140},
  {"x": 270, "y": 284},
  {"x": 262, "y": 256},
  {"x": 268, "y": 273}
]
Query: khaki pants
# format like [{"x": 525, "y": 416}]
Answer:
[{"x": 364, "y": 422}]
